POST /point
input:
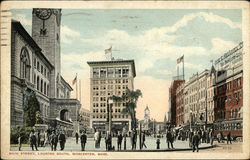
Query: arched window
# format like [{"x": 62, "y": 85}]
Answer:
[{"x": 25, "y": 64}]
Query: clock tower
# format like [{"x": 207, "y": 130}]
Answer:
[{"x": 46, "y": 33}]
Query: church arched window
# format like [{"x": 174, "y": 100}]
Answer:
[{"x": 25, "y": 64}]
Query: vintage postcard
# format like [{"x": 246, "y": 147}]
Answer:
[{"x": 124, "y": 80}]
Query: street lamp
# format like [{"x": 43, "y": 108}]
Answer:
[{"x": 110, "y": 102}]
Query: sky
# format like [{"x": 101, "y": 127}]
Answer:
[{"x": 154, "y": 38}]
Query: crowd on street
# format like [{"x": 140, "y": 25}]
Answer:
[{"x": 194, "y": 137}]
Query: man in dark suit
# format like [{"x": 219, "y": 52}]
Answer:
[
  {"x": 229, "y": 138},
  {"x": 53, "y": 141},
  {"x": 83, "y": 140},
  {"x": 62, "y": 140},
  {"x": 119, "y": 140},
  {"x": 195, "y": 141},
  {"x": 170, "y": 139},
  {"x": 33, "y": 140}
]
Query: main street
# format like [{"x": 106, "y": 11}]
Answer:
[{"x": 90, "y": 146}]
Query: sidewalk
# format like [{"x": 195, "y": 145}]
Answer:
[{"x": 150, "y": 143}]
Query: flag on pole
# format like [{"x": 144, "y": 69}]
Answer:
[
  {"x": 108, "y": 50},
  {"x": 179, "y": 60},
  {"x": 74, "y": 81}
]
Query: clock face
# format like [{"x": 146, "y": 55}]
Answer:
[{"x": 43, "y": 13}]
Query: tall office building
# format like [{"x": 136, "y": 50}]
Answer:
[{"x": 108, "y": 78}]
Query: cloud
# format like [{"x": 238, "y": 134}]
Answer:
[
  {"x": 68, "y": 34},
  {"x": 209, "y": 17},
  {"x": 220, "y": 46},
  {"x": 23, "y": 19}
]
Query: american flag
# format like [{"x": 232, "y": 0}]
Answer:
[
  {"x": 108, "y": 50},
  {"x": 179, "y": 60},
  {"x": 74, "y": 81}
]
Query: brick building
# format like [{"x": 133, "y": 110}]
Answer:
[
  {"x": 229, "y": 90},
  {"x": 180, "y": 104},
  {"x": 173, "y": 89}
]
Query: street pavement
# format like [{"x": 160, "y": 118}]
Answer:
[{"x": 90, "y": 145}]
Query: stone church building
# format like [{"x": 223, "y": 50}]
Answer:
[{"x": 36, "y": 67}]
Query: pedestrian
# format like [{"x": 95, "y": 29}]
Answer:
[
  {"x": 229, "y": 137},
  {"x": 195, "y": 141},
  {"x": 38, "y": 139},
  {"x": 42, "y": 139},
  {"x": 125, "y": 140},
  {"x": 119, "y": 141},
  {"x": 134, "y": 140},
  {"x": 108, "y": 141},
  {"x": 62, "y": 140},
  {"x": 77, "y": 136},
  {"x": 200, "y": 134},
  {"x": 99, "y": 139},
  {"x": 33, "y": 140},
  {"x": 211, "y": 137},
  {"x": 45, "y": 138},
  {"x": 170, "y": 139},
  {"x": 19, "y": 142},
  {"x": 83, "y": 140},
  {"x": 158, "y": 142},
  {"x": 222, "y": 137},
  {"x": 53, "y": 141},
  {"x": 96, "y": 138},
  {"x": 143, "y": 140}
]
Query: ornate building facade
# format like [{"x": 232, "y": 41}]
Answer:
[{"x": 36, "y": 68}]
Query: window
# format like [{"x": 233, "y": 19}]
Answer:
[
  {"x": 24, "y": 64},
  {"x": 117, "y": 72},
  {"x": 238, "y": 82},
  {"x": 235, "y": 95},
  {"x": 95, "y": 72},
  {"x": 37, "y": 82},
  {"x": 41, "y": 85},
  {"x": 38, "y": 66},
  {"x": 44, "y": 87},
  {"x": 34, "y": 62},
  {"x": 235, "y": 83},
  {"x": 239, "y": 94},
  {"x": 34, "y": 79},
  {"x": 103, "y": 72},
  {"x": 42, "y": 69},
  {"x": 45, "y": 72},
  {"x": 48, "y": 90},
  {"x": 110, "y": 72}
]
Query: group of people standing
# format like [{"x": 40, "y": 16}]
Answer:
[{"x": 41, "y": 140}]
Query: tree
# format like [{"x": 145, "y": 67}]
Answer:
[
  {"x": 31, "y": 106},
  {"x": 130, "y": 98}
]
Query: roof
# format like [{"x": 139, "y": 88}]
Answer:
[
  {"x": 212, "y": 70},
  {"x": 19, "y": 28},
  {"x": 66, "y": 83},
  {"x": 114, "y": 62}
]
